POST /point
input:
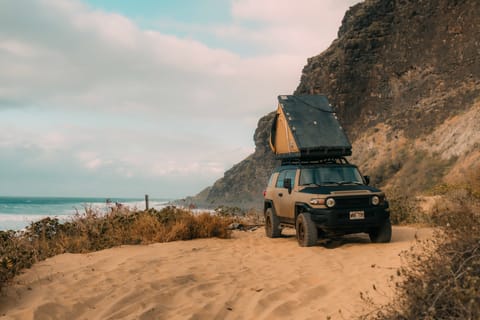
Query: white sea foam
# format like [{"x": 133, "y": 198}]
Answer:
[
  {"x": 17, "y": 218},
  {"x": 21, "y": 219},
  {"x": 17, "y": 222}
]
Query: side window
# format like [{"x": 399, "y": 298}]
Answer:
[
  {"x": 289, "y": 174},
  {"x": 281, "y": 177},
  {"x": 270, "y": 181}
]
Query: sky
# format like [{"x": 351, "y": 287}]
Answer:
[{"x": 121, "y": 98}]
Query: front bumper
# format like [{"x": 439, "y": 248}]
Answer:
[{"x": 339, "y": 219}]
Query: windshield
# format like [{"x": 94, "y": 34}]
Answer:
[{"x": 330, "y": 175}]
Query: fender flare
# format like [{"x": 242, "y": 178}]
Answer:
[
  {"x": 268, "y": 204},
  {"x": 301, "y": 207}
]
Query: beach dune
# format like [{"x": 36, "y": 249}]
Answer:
[{"x": 247, "y": 277}]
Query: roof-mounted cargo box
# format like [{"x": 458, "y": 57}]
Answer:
[{"x": 306, "y": 127}]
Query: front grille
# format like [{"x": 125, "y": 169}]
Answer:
[{"x": 352, "y": 202}]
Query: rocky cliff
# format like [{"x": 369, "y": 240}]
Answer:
[{"x": 405, "y": 79}]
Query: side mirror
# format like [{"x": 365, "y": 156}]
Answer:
[
  {"x": 367, "y": 180},
  {"x": 287, "y": 184}
]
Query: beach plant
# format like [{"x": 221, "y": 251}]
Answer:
[
  {"x": 405, "y": 210},
  {"x": 15, "y": 255},
  {"x": 441, "y": 276},
  {"x": 94, "y": 230}
]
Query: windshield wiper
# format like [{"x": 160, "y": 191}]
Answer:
[{"x": 349, "y": 182}]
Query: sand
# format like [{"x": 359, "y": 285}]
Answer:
[{"x": 246, "y": 277}]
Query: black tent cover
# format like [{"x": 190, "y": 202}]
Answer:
[{"x": 315, "y": 127}]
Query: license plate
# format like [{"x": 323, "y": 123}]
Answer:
[{"x": 357, "y": 215}]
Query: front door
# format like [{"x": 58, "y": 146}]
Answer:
[{"x": 284, "y": 200}]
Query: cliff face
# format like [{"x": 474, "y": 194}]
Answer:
[
  {"x": 405, "y": 79},
  {"x": 409, "y": 64}
]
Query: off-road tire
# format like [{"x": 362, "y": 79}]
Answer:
[
  {"x": 306, "y": 230},
  {"x": 272, "y": 224},
  {"x": 382, "y": 234}
]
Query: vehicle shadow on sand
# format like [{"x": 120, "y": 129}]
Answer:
[
  {"x": 399, "y": 234},
  {"x": 335, "y": 242}
]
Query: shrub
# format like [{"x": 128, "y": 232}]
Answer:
[
  {"x": 442, "y": 277},
  {"x": 404, "y": 208},
  {"x": 93, "y": 231},
  {"x": 229, "y": 211}
]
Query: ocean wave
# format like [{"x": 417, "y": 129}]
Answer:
[{"x": 24, "y": 215}]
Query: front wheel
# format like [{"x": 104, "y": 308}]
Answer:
[
  {"x": 272, "y": 224},
  {"x": 381, "y": 234},
  {"x": 307, "y": 235}
]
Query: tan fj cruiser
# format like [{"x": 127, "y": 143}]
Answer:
[
  {"x": 316, "y": 190},
  {"x": 323, "y": 199}
]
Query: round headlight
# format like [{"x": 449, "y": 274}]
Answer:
[
  {"x": 375, "y": 200},
  {"x": 330, "y": 202}
]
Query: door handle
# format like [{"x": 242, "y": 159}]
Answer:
[{"x": 280, "y": 194}]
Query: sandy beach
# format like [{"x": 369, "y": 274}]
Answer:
[{"x": 247, "y": 277}]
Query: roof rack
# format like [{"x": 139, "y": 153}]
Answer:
[{"x": 296, "y": 161}]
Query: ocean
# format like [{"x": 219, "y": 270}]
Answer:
[{"x": 18, "y": 212}]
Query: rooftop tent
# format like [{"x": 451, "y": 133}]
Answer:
[{"x": 306, "y": 127}]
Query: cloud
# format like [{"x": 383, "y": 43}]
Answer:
[
  {"x": 300, "y": 28},
  {"x": 73, "y": 57},
  {"x": 93, "y": 91},
  {"x": 90, "y": 160}
]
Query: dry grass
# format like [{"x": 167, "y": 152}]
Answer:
[
  {"x": 93, "y": 231},
  {"x": 441, "y": 279},
  {"x": 248, "y": 217},
  {"x": 403, "y": 209}
]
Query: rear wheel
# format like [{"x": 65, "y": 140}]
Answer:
[
  {"x": 272, "y": 224},
  {"x": 381, "y": 234},
  {"x": 307, "y": 235}
]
